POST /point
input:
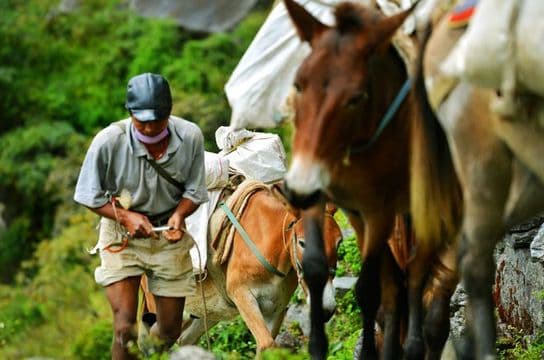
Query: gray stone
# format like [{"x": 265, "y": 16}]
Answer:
[
  {"x": 191, "y": 352},
  {"x": 457, "y": 312},
  {"x": 299, "y": 314},
  {"x": 343, "y": 284},
  {"x": 526, "y": 226},
  {"x": 287, "y": 340},
  {"x": 203, "y": 15},
  {"x": 520, "y": 240},
  {"x": 518, "y": 283},
  {"x": 537, "y": 246}
]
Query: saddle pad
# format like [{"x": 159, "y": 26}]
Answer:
[{"x": 461, "y": 14}]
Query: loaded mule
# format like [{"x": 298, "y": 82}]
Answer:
[
  {"x": 359, "y": 142},
  {"x": 499, "y": 161},
  {"x": 255, "y": 281}
]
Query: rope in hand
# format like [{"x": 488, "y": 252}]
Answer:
[
  {"x": 200, "y": 281},
  {"x": 124, "y": 242}
]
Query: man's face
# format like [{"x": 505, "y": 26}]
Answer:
[{"x": 150, "y": 128}]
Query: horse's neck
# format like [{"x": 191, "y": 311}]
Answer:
[{"x": 387, "y": 74}]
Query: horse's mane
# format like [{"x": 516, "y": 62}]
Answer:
[{"x": 352, "y": 17}]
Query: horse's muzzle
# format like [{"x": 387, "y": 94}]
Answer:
[{"x": 301, "y": 201}]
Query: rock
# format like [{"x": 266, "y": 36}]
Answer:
[
  {"x": 537, "y": 246},
  {"x": 203, "y": 15},
  {"x": 287, "y": 340},
  {"x": 517, "y": 285},
  {"x": 526, "y": 226},
  {"x": 457, "y": 312},
  {"x": 191, "y": 352},
  {"x": 343, "y": 284},
  {"x": 299, "y": 314},
  {"x": 520, "y": 240}
]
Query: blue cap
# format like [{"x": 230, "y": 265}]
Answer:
[{"x": 148, "y": 97}]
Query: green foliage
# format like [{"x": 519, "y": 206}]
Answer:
[
  {"x": 344, "y": 328},
  {"x": 523, "y": 348},
  {"x": 17, "y": 313},
  {"x": 62, "y": 283},
  {"x": 349, "y": 258},
  {"x": 281, "y": 354},
  {"x": 94, "y": 343},
  {"x": 28, "y": 156},
  {"x": 233, "y": 338},
  {"x": 13, "y": 246}
]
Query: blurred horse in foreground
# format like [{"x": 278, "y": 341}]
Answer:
[
  {"x": 499, "y": 161},
  {"x": 239, "y": 281},
  {"x": 359, "y": 142}
]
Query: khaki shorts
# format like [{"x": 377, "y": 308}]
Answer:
[{"x": 167, "y": 265}]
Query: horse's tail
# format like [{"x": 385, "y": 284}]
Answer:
[{"x": 435, "y": 192}]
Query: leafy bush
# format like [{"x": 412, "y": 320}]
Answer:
[
  {"x": 28, "y": 156},
  {"x": 17, "y": 313},
  {"x": 94, "y": 343},
  {"x": 349, "y": 257},
  {"x": 233, "y": 338}
]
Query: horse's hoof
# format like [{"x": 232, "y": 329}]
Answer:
[{"x": 414, "y": 349}]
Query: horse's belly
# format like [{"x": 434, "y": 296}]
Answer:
[{"x": 217, "y": 308}]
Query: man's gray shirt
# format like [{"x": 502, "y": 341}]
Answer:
[{"x": 115, "y": 161}]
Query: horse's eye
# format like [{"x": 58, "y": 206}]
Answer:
[
  {"x": 357, "y": 99},
  {"x": 302, "y": 243},
  {"x": 297, "y": 86}
]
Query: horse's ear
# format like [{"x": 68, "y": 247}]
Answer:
[
  {"x": 386, "y": 28},
  {"x": 308, "y": 27}
]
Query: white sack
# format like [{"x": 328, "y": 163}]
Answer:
[
  {"x": 503, "y": 43},
  {"x": 530, "y": 45},
  {"x": 255, "y": 155},
  {"x": 217, "y": 170},
  {"x": 197, "y": 227},
  {"x": 260, "y": 83}
]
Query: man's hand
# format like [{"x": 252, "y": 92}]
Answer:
[
  {"x": 137, "y": 225},
  {"x": 177, "y": 225}
]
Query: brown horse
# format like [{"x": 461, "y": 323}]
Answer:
[
  {"x": 500, "y": 165},
  {"x": 242, "y": 285},
  {"x": 378, "y": 166}
]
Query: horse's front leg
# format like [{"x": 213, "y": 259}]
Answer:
[
  {"x": 377, "y": 276},
  {"x": 315, "y": 268},
  {"x": 249, "y": 309}
]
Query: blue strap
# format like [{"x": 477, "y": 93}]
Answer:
[
  {"x": 391, "y": 111},
  {"x": 248, "y": 241}
]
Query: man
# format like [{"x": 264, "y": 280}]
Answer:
[{"x": 141, "y": 174}]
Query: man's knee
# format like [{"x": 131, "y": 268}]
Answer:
[
  {"x": 124, "y": 331},
  {"x": 167, "y": 332},
  {"x": 124, "y": 328}
]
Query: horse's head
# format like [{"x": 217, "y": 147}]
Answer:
[
  {"x": 336, "y": 89},
  {"x": 332, "y": 236}
]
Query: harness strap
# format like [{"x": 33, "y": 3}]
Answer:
[
  {"x": 248, "y": 241},
  {"x": 391, "y": 111}
]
